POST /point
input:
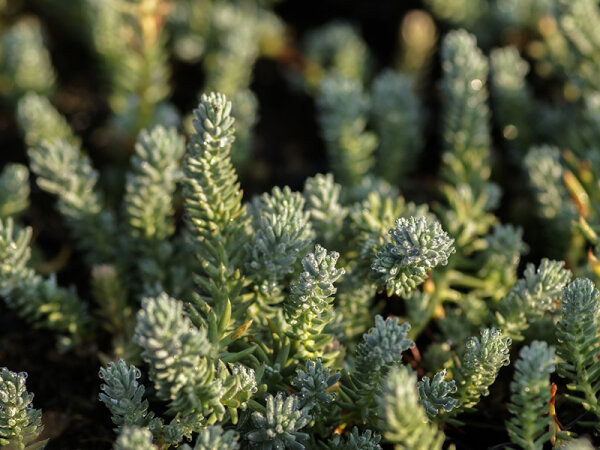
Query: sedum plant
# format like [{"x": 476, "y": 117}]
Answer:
[
  {"x": 149, "y": 208},
  {"x": 396, "y": 110},
  {"x": 381, "y": 349},
  {"x": 343, "y": 117},
  {"x": 417, "y": 247},
  {"x": 466, "y": 130},
  {"x": 134, "y": 438},
  {"x": 530, "y": 425},
  {"x": 436, "y": 394},
  {"x": 533, "y": 297},
  {"x": 483, "y": 358},
  {"x": 202, "y": 360},
  {"x": 39, "y": 120},
  {"x": 124, "y": 396},
  {"x": 341, "y": 315},
  {"x": 367, "y": 440},
  {"x": 20, "y": 424},
  {"x": 335, "y": 48},
  {"x": 14, "y": 190},
  {"x": 63, "y": 170},
  {"x": 131, "y": 47},
  {"x": 407, "y": 425},
  {"x": 279, "y": 426},
  {"x": 25, "y": 63},
  {"x": 36, "y": 298},
  {"x": 312, "y": 383},
  {"x": 578, "y": 340},
  {"x": 309, "y": 309}
]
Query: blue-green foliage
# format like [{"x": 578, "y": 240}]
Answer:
[
  {"x": 483, "y": 358},
  {"x": 405, "y": 420},
  {"x": 229, "y": 322},
  {"x": 25, "y": 63},
  {"x": 312, "y": 385},
  {"x": 283, "y": 235},
  {"x": 123, "y": 395},
  {"x": 14, "y": 190},
  {"x": 20, "y": 424},
  {"x": 529, "y": 426},
  {"x": 308, "y": 309},
  {"x": 368, "y": 440},
  {"x": 416, "y": 246},
  {"x": 64, "y": 170},
  {"x": 435, "y": 394},
  {"x": 343, "y": 114},
  {"x": 532, "y": 297},
  {"x": 578, "y": 338},
  {"x": 35, "y": 298},
  {"x": 380, "y": 350},
  {"x": 279, "y": 426},
  {"x": 398, "y": 119}
]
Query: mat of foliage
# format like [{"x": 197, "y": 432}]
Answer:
[{"x": 462, "y": 139}]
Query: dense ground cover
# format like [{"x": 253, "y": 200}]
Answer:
[{"x": 480, "y": 118}]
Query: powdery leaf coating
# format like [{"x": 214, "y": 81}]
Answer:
[
  {"x": 532, "y": 296},
  {"x": 578, "y": 338},
  {"x": 151, "y": 182},
  {"x": 309, "y": 307},
  {"x": 278, "y": 427},
  {"x": 383, "y": 344},
  {"x": 327, "y": 214},
  {"x": 312, "y": 384},
  {"x": 19, "y": 422},
  {"x": 171, "y": 346},
  {"x": 217, "y": 218},
  {"x": 483, "y": 358},
  {"x": 417, "y": 245},
  {"x": 529, "y": 426},
  {"x": 123, "y": 395},
  {"x": 35, "y": 298},
  {"x": 283, "y": 232},
  {"x": 435, "y": 394},
  {"x": 381, "y": 349}
]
